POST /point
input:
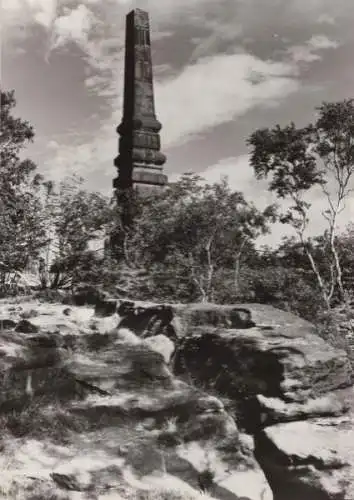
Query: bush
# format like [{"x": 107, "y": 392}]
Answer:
[{"x": 337, "y": 328}]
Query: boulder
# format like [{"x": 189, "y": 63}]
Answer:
[
  {"x": 7, "y": 324},
  {"x": 161, "y": 344},
  {"x": 72, "y": 405},
  {"x": 309, "y": 460},
  {"x": 25, "y": 326},
  {"x": 133, "y": 404},
  {"x": 281, "y": 359},
  {"x": 85, "y": 295},
  {"x": 285, "y": 385},
  {"x": 275, "y": 410},
  {"x": 29, "y": 313},
  {"x": 148, "y": 319},
  {"x": 105, "y": 306}
]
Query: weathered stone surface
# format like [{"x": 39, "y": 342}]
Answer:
[
  {"x": 279, "y": 357},
  {"x": 25, "y": 326},
  {"x": 91, "y": 412},
  {"x": 163, "y": 345},
  {"x": 122, "y": 417},
  {"x": 149, "y": 177},
  {"x": 30, "y": 313},
  {"x": 137, "y": 315},
  {"x": 105, "y": 306},
  {"x": 246, "y": 350},
  {"x": 7, "y": 324},
  {"x": 310, "y": 460},
  {"x": 146, "y": 321},
  {"x": 275, "y": 410},
  {"x": 86, "y": 295},
  {"x": 290, "y": 389}
]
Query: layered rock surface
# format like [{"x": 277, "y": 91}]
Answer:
[
  {"x": 285, "y": 386},
  {"x": 89, "y": 410},
  {"x": 117, "y": 403}
]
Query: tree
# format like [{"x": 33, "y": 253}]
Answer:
[
  {"x": 21, "y": 232},
  {"x": 75, "y": 218},
  {"x": 295, "y": 160},
  {"x": 345, "y": 245},
  {"x": 192, "y": 230}
]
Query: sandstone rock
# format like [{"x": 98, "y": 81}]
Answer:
[
  {"x": 286, "y": 361},
  {"x": 105, "y": 306},
  {"x": 242, "y": 478},
  {"x": 281, "y": 376},
  {"x": 309, "y": 460},
  {"x": 221, "y": 316},
  {"x": 119, "y": 398},
  {"x": 146, "y": 320},
  {"x": 127, "y": 336},
  {"x": 67, "y": 482},
  {"x": 51, "y": 296},
  {"x": 25, "y": 326},
  {"x": 29, "y": 313},
  {"x": 275, "y": 410},
  {"x": 161, "y": 344},
  {"x": 153, "y": 319},
  {"x": 7, "y": 324},
  {"x": 84, "y": 295},
  {"x": 46, "y": 340},
  {"x": 135, "y": 423}
]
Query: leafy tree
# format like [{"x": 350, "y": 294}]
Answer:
[
  {"x": 186, "y": 234},
  {"x": 75, "y": 218},
  {"x": 21, "y": 232},
  {"x": 296, "y": 160},
  {"x": 345, "y": 245}
]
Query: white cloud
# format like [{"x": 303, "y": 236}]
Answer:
[
  {"x": 10, "y": 5},
  {"x": 209, "y": 92},
  {"x": 325, "y": 10},
  {"x": 227, "y": 31},
  {"x": 303, "y": 53},
  {"x": 319, "y": 42},
  {"x": 213, "y": 91},
  {"x": 216, "y": 90},
  {"x": 27, "y": 11},
  {"x": 326, "y": 19},
  {"x": 53, "y": 145},
  {"x": 75, "y": 25},
  {"x": 66, "y": 161},
  {"x": 307, "y": 51}
]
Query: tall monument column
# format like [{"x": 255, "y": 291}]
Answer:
[{"x": 140, "y": 161}]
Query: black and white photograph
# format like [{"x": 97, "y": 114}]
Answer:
[{"x": 177, "y": 250}]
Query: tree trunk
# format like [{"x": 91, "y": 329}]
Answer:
[
  {"x": 237, "y": 268},
  {"x": 325, "y": 296},
  {"x": 210, "y": 272}
]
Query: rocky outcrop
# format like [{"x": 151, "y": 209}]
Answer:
[
  {"x": 128, "y": 408},
  {"x": 288, "y": 388},
  {"x": 88, "y": 409},
  {"x": 309, "y": 460}
]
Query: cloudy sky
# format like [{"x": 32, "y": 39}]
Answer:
[{"x": 222, "y": 69}]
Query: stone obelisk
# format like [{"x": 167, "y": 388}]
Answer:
[{"x": 140, "y": 161}]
